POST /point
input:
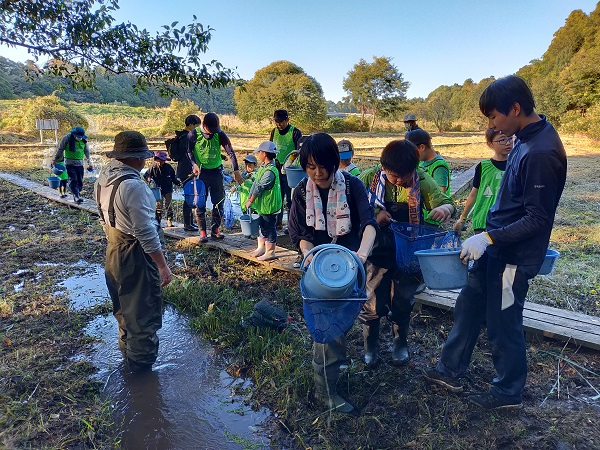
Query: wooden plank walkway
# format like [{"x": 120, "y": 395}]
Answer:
[
  {"x": 555, "y": 323},
  {"x": 235, "y": 242}
]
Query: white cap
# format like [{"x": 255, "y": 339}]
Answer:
[{"x": 268, "y": 147}]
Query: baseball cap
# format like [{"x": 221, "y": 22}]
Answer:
[
  {"x": 408, "y": 117},
  {"x": 345, "y": 148},
  {"x": 280, "y": 115},
  {"x": 268, "y": 147},
  {"x": 418, "y": 137},
  {"x": 251, "y": 159}
]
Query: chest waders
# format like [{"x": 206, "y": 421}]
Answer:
[{"x": 133, "y": 283}]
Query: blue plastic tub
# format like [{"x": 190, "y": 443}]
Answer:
[
  {"x": 53, "y": 182},
  {"x": 549, "y": 261},
  {"x": 442, "y": 268},
  {"x": 295, "y": 175}
]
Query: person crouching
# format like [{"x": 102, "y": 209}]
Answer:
[{"x": 265, "y": 198}]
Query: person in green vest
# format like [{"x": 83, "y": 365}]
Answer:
[
  {"x": 346, "y": 150},
  {"x": 399, "y": 190},
  {"x": 486, "y": 182},
  {"x": 204, "y": 150},
  {"x": 286, "y": 138},
  {"x": 63, "y": 177},
  {"x": 72, "y": 149},
  {"x": 432, "y": 162},
  {"x": 265, "y": 198},
  {"x": 244, "y": 189}
]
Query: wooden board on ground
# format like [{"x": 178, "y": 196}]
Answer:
[{"x": 555, "y": 323}]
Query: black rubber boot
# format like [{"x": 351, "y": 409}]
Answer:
[
  {"x": 188, "y": 219},
  {"x": 371, "y": 342},
  {"x": 400, "y": 353},
  {"x": 329, "y": 397},
  {"x": 158, "y": 217}
]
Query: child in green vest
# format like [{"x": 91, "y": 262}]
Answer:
[
  {"x": 73, "y": 149},
  {"x": 346, "y": 150},
  {"x": 63, "y": 177},
  {"x": 244, "y": 189},
  {"x": 486, "y": 182},
  {"x": 265, "y": 198}
]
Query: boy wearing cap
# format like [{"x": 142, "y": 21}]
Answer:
[
  {"x": 431, "y": 161},
  {"x": 163, "y": 175},
  {"x": 72, "y": 148},
  {"x": 135, "y": 266},
  {"x": 346, "y": 150},
  {"x": 265, "y": 198},
  {"x": 204, "y": 150},
  {"x": 286, "y": 138}
]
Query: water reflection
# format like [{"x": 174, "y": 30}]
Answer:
[{"x": 186, "y": 402}]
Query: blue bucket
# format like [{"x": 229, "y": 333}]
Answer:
[
  {"x": 411, "y": 238},
  {"x": 249, "y": 224},
  {"x": 295, "y": 174},
  {"x": 442, "y": 268},
  {"x": 53, "y": 182},
  {"x": 58, "y": 169},
  {"x": 549, "y": 261}
]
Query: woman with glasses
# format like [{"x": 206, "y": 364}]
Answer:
[{"x": 486, "y": 182}]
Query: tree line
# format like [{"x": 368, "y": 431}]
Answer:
[{"x": 565, "y": 82}]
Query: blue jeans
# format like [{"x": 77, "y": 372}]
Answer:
[
  {"x": 267, "y": 224},
  {"x": 75, "y": 179},
  {"x": 485, "y": 300}
]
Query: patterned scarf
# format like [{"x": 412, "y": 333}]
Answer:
[
  {"x": 376, "y": 195},
  {"x": 338, "y": 211}
]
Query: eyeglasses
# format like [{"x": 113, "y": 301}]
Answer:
[{"x": 504, "y": 141}]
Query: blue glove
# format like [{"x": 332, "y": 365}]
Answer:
[{"x": 474, "y": 247}]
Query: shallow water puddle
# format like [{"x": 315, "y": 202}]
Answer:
[{"x": 185, "y": 402}]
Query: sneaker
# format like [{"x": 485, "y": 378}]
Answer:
[
  {"x": 487, "y": 400},
  {"x": 79, "y": 200},
  {"x": 75, "y": 199},
  {"x": 203, "y": 237},
  {"x": 446, "y": 381},
  {"x": 217, "y": 236},
  {"x": 63, "y": 196},
  {"x": 298, "y": 262}
]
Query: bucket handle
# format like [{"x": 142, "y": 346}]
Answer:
[
  {"x": 361, "y": 269},
  {"x": 293, "y": 152}
]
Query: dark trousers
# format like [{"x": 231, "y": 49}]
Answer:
[
  {"x": 75, "y": 179},
  {"x": 495, "y": 294},
  {"x": 268, "y": 228},
  {"x": 389, "y": 291},
  {"x": 213, "y": 181},
  {"x": 286, "y": 196}
]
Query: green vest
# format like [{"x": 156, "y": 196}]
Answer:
[
  {"x": 284, "y": 143},
  {"x": 430, "y": 168},
  {"x": 268, "y": 202},
  {"x": 207, "y": 152},
  {"x": 244, "y": 190},
  {"x": 491, "y": 177},
  {"x": 79, "y": 151}
]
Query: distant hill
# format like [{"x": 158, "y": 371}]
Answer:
[{"x": 15, "y": 84}]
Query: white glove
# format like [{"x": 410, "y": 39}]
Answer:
[{"x": 474, "y": 247}]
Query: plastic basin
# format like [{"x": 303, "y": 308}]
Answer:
[{"x": 442, "y": 268}]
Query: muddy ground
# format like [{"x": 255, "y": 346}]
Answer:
[{"x": 47, "y": 399}]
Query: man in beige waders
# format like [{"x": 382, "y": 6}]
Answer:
[{"x": 135, "y": 264}]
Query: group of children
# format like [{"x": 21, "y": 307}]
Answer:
[{"x": 261, "y": 183}]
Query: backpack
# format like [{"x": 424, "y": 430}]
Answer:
[{"x": 177, "y": 146}]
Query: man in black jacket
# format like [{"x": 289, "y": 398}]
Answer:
[
  {"x": 184, "y": 168},
  {"x": 510, "y": 252}
]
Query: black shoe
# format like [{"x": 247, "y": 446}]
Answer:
[
  {"x": 136, "y": 367},
  {"x": 188, "y": 228},
  {"x": 286, "y": 231},
  {"x": 79, "y": 200},
  {"x": 400, "y": 354},
  {"x": 446, "y": 381},
  {"x": 217, "y": 236},
  {"x": 487, "y": 400}
]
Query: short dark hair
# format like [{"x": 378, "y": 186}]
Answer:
[
  {"x": 192, "y": 119},
  {"x": 400, "y": 157},
  {"x": 324, "y": 152},
  {"x": 418, "y": 137},
  {"x": 490, "y": 134},
  {"x": 503, "y": 93}
]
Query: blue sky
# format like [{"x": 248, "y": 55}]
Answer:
[{"x": 432, "y": 42}]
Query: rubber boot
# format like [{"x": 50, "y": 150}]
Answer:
[
  {"x": 260, "y": 250},
  {"x": 326, "y": 394},
  {"x": 269, "y": 252},
  {"x": 188, "y": 219},
  {"x": 158, "y": 217},
  {"x": 400, "y": 354},
  {"x": 371, "y": 342}
]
